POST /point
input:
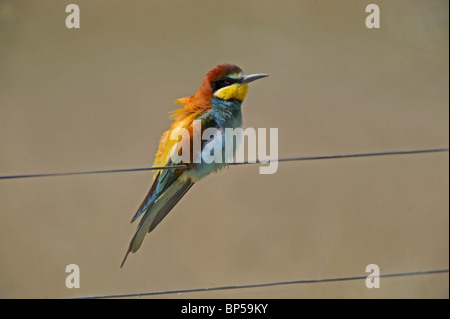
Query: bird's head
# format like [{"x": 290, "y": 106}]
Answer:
[{"x": 226, "y": 82}]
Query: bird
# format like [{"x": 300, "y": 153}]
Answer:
[{"x": 216, "y": 104}]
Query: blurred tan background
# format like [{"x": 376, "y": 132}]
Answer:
[{"x": 98, "y": 98}]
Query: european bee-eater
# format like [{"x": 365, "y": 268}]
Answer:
[{"x": 217, "y": 104}]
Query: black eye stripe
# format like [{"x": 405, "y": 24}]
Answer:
[{"x": 217, "y": 85}]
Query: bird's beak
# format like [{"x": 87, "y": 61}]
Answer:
[{"x": 252, "y": 77}]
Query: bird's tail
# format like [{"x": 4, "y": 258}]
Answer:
[{"x": 156, "y": 212}]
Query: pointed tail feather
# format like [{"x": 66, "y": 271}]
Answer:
[
  {"x": 156, "y": 212},
  {"x": 125, "y": 258}
]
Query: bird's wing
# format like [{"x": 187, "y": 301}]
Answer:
[
  {"x": 168, "y": 188},
  {"x": 165, "y": 177}
]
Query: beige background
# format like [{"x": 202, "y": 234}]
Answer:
[{"x": 98, "y": 98}]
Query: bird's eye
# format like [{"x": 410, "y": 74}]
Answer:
[{"x": 217, "y": 85}]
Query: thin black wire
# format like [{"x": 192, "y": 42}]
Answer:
[
  {"x": 91, "y": 172},
  {"x": 307, "y": 158},
  {"x": 268, "y": 284},
  {"x": 288, "y": 159}
]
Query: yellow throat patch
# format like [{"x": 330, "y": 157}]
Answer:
[{"x": 236, "y": 91}]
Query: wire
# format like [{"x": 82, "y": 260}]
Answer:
[
  {"x": 91, "y": 172},
  {"x": 268, "y": 284},
  {"x": 308, "y": 158},
  {"x": 288, "y": 159}
]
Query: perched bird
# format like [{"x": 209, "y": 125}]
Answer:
[{"x": 217, "y": 104}]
